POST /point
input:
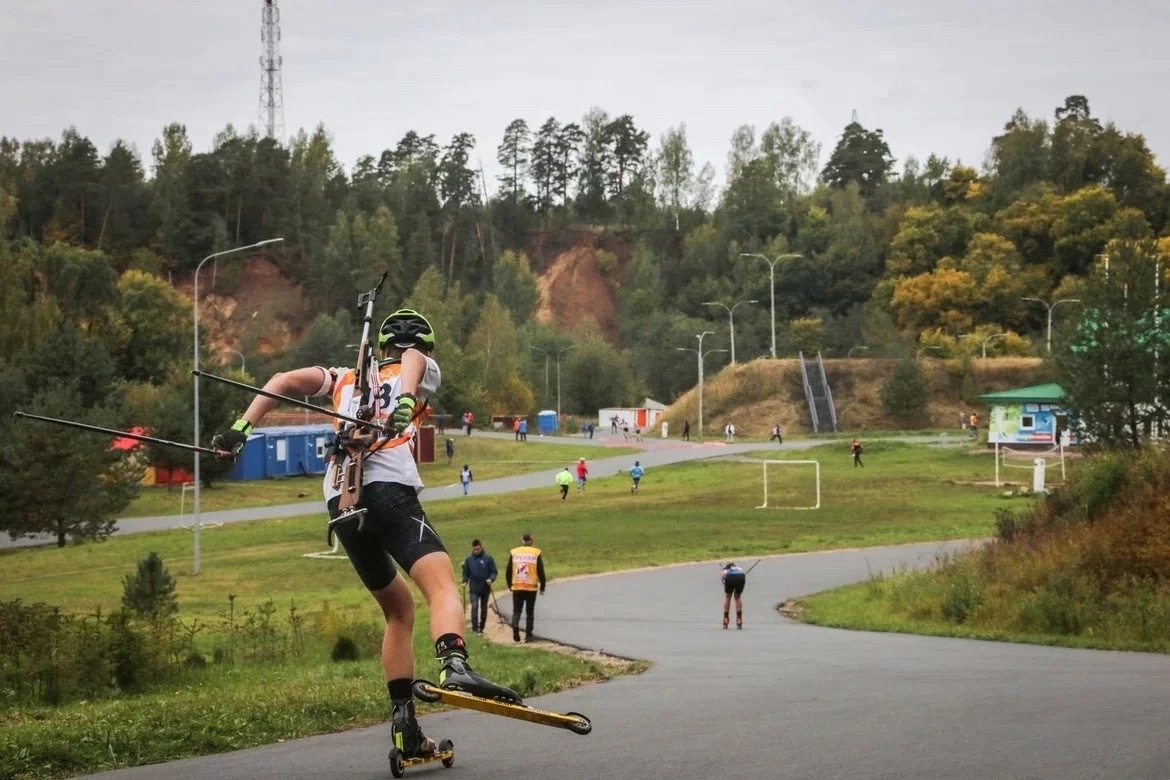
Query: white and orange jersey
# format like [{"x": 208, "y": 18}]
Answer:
[{"x": 391, "y": 459}]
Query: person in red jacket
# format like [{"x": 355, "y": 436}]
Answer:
[{"x": 582, "y": 474}]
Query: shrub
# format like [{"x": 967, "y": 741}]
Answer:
[
  {"x": 906, "y": 394},
  {"x": 345, "y": 649},
  {"x": 150, "y": 591}
]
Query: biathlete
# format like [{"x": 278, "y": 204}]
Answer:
[
  {"x": 734, "y": 580},
  {"x": 395, "y": 527}
]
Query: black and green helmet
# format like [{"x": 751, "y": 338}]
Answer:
[{"x": 406, "y": 328}]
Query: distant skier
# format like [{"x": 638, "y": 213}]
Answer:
[
  {"x": 564, "y": 480},
  {"x": 734, "y": 579},
  {"x": 466, "y": 478},
  {"x": 636, "y": 475}
]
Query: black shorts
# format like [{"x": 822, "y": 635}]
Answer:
[
  {"x": 395, "y": 527},
  {"x": 733, "y": 584}
]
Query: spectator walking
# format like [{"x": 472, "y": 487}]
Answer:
[
  {"x": 686, "y": 430},
  {"x": 479, "y": 572},
  {"x": 450, "y": 450},
  {"x": 524, "y": 429},
  {"x": 729, "y": 431},
  {"x": 776, "y": 434},
  {"x": 582, "y": 474},
  {"x": 525, "y": 577},
  {"x": 855, "y": 448},
  {"x": 465, "y": 478}
]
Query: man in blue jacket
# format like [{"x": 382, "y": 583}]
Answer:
[{"x": 479, "y": 572}]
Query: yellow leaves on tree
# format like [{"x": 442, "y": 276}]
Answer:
[{"x": 943, "y": 298}]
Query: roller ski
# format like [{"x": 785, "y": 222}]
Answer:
[
  {"x": 460, "y": 687},
  {"x": 411, "y": 746}
]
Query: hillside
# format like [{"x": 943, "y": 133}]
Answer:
[
  {"x": 757, "y": 395},
  {"x": 267, "y": 313}
]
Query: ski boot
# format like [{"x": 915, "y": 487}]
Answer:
[
  {"x": 725, "y": 622},
  {"x": 409, "y": 740},
  {"x": 456, "y": 675}
]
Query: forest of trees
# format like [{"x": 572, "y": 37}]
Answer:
[{"x": 892, "y": 254}]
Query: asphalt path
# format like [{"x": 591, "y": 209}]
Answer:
[
  {"x": 657, "y": 452},
  {"x": 779, "y": 699}
]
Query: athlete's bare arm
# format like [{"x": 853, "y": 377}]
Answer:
[{"x": 313, "y": 380}]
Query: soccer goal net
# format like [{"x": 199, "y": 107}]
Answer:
[{"x": 789, "y": 485}]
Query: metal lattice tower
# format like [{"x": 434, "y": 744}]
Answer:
[{"x": 271, "y": 93}]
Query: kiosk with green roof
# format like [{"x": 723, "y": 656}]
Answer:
[{"x": 1029, "y": 417}]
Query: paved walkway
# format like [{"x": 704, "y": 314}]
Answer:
[{"x": 779, "y": 700}]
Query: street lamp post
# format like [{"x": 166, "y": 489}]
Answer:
[
  {"x": 731, "y": 317},
  {"x": 772, "y": 282},
  {"x": 923, "y": 349},
  {"x": 1050, "y": 307},
  {"x": 990, "y": 339},
  {"x": 541, "y": 351},
  {"x": 195, "y": 505},
  {"x": 559, "y": 353},
  {"x": 243, "y": 363},
  {"x": 850, "y": 353},
  {"x": 701, "y": 354}
]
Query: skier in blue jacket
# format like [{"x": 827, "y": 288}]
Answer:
[{"x": 636, "y": 475}]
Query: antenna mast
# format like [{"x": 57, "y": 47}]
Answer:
[{"x": 271, "y": 93}]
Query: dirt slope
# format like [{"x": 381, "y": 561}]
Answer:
[
  {"x": 757, "y": 395},
  {"x": 574, "y": 288}
]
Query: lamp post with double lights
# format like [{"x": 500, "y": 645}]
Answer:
[
  {"x": 1050, "y": 307},
  {"x": 543, "y": 352},
  {"x": 198, "y": 268},
  {"x": 559, "y": 353},
  {"x": 701, "y": 354},
  {"x": 772, "y": 279},
  {"x": 923, "y": 349},
  {"x": 731, "y": 316}
]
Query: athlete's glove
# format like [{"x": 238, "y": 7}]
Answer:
[
  {"x": 231, "y": 442},
  {"x": 403, "y": 414}
]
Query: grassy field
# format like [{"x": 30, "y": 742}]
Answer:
[
  {"x": 488, "y": 458},
  {"x": 1087, "y": 567},
  {"x": 905, "y": 493}
]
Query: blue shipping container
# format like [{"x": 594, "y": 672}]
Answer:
[{"x": 294, "y": 450}]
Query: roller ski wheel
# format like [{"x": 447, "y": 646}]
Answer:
[
  {"x": 445, "y": 752},
  {"x": 580, "y": 725},
  {"x": 397, "y": 764}
]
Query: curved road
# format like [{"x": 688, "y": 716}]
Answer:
[{"x": 778, "y": 700}]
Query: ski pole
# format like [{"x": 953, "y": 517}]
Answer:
[
  {"x": 499, "y": 614},
  {"x": 754, "y": 565},
  {"x": 119, "y": 434}
]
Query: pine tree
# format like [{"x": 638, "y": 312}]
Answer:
[
  {"x": 905, "y": 394},
  {"x": 150, "y": 591}
]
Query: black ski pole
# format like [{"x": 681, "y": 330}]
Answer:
[{"x": 119, "y": 434}]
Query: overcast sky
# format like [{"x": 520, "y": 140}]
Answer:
[{"x": 935, "y": 76}]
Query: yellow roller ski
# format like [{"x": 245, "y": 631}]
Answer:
[
  {"x": 573, "y": 721},
  {"x": 445, "y": 752}
]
